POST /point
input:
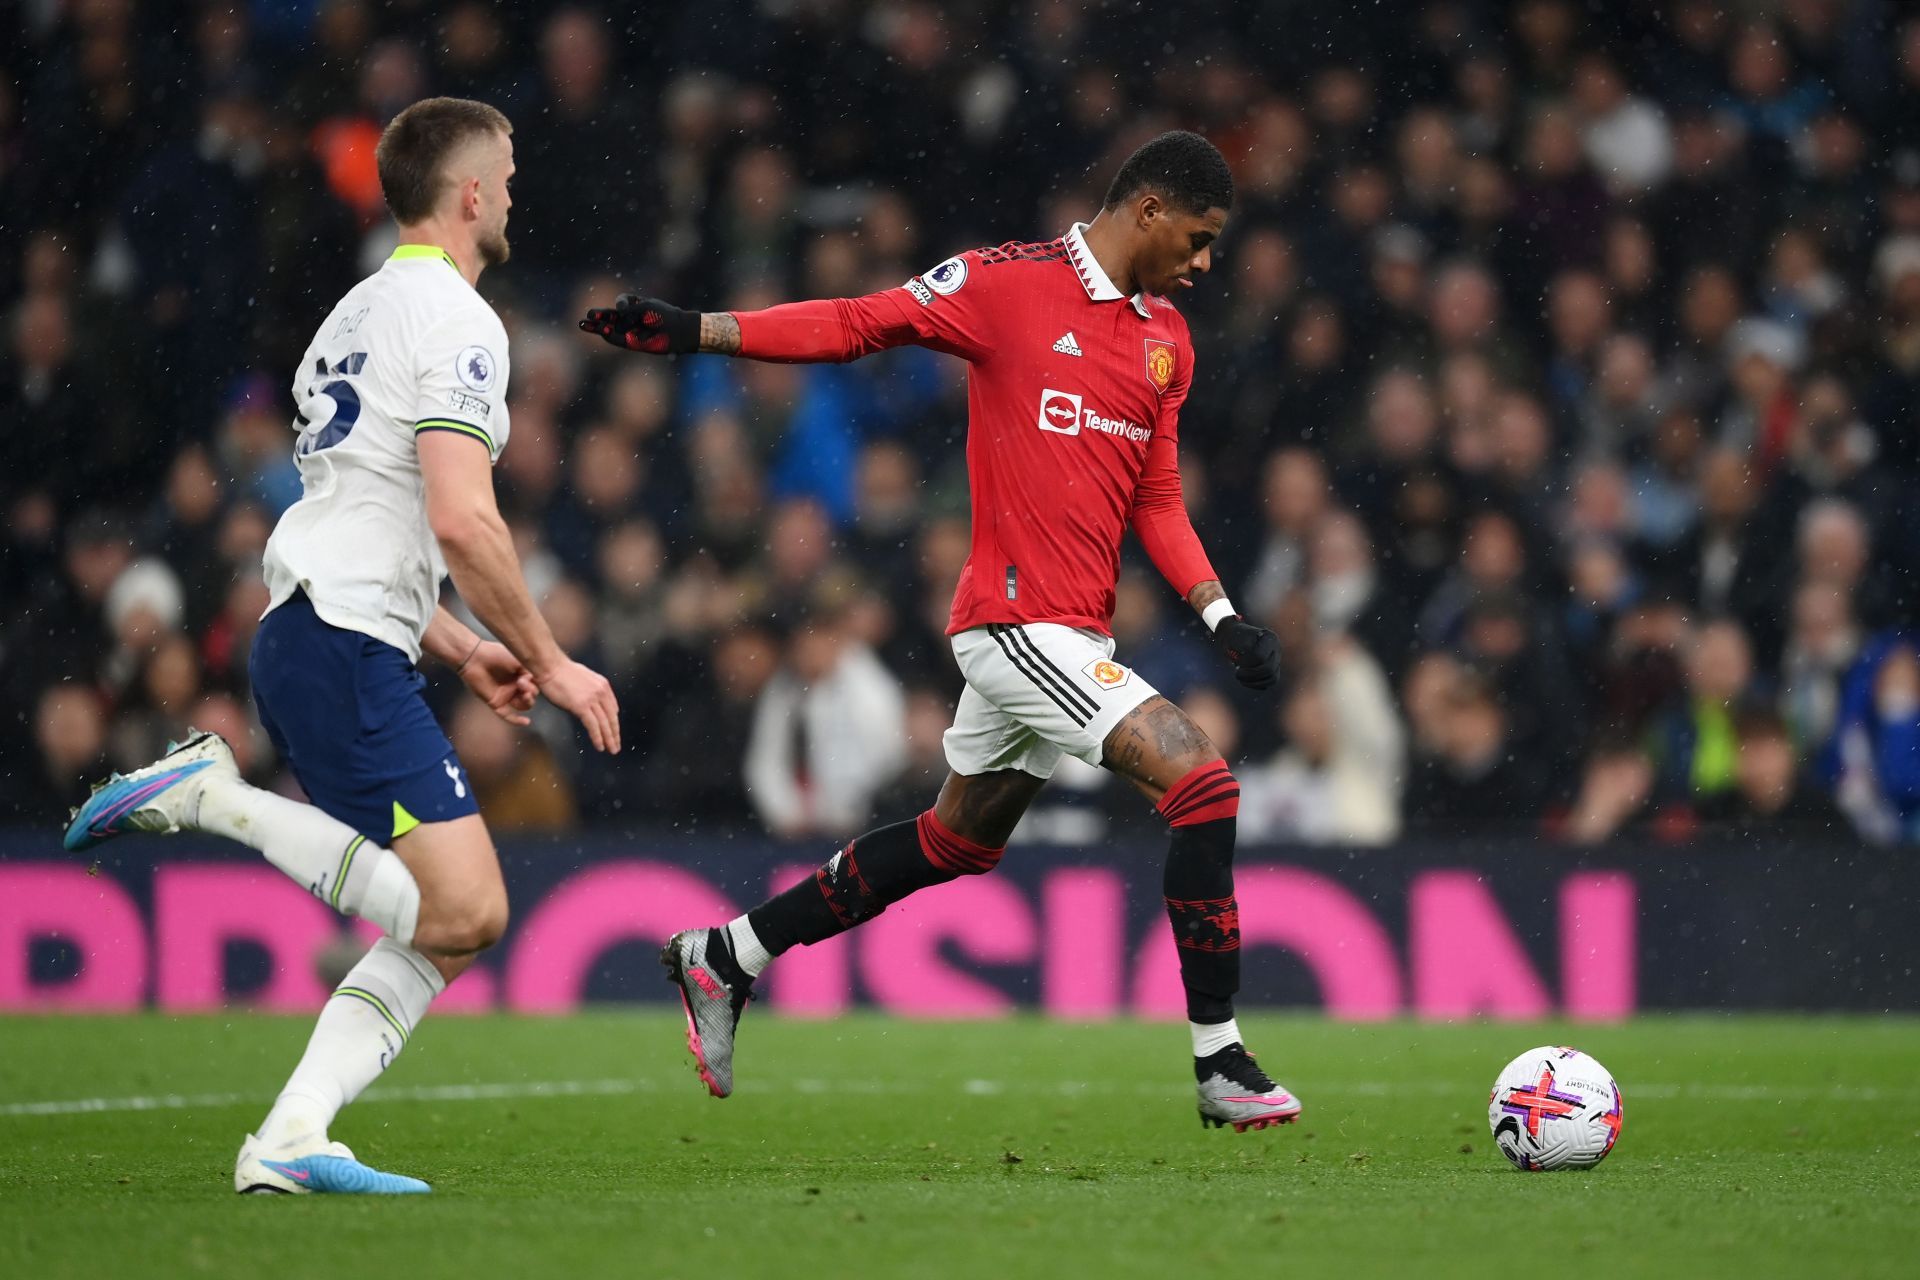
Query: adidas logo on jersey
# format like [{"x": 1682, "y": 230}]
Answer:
[{"x": 1067, "y": 346}]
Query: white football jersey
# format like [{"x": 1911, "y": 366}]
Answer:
[{"x": 411, "y": 348}]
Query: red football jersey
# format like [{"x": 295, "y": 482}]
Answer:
[{"x": 1073, "y": 399}]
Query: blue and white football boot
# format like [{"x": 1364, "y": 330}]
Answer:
[
  {"x": 314, "y": 1167},
  {"x": 163, "y": 797}
]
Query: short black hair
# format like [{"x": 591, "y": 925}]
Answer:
[{"x": 1182, "y": 166}]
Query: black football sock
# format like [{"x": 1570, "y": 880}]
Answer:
[
  {"x": 721, "y": 958},
  {"x": 863, "y": 879},
  {"x": 1198, "y": 885}
]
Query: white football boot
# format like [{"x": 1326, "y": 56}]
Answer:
[
  {"x": 314, "y": 1165},
  {"x": 163, "y": 797}
]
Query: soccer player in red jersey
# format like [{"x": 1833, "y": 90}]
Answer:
[{"x": 1079, "y": 366}]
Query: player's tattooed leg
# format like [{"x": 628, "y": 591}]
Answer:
[{"x": 1156, "y": 745}]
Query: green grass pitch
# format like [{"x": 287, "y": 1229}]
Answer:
[{"x": 876, "y": 1147}]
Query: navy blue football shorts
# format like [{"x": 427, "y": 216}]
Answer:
[{"x": 346, "y": 712}]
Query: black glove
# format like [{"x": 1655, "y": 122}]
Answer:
[
  {"x": 1254, "y": 651},
  {"x": 645, "y": 324}
]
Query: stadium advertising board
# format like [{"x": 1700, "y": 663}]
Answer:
[{"x": 1439, "y": 932}]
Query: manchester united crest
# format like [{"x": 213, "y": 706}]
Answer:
[
  {"x": 1106, "y": 673},
  {"x": 1159, "y": 364}
]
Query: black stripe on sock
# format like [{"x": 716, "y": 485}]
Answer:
[{"x": 1201, "y": 798}]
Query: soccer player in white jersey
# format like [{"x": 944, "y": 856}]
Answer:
[{"x": 402, "y": 414}]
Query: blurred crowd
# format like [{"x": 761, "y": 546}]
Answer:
[{"x": 1558, "y": 397}]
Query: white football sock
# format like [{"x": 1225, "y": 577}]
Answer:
[
  {"x": 1212, "y": 1037},
  {"x": 748, "y": 952},
  {"x": 361, "y": 1031},
  {"x": 322, "y": 854}
]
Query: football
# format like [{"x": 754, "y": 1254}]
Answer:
[{"x": 1555, "y": 1108}]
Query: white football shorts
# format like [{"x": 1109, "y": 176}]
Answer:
[{"x": 1036, "y": 691}]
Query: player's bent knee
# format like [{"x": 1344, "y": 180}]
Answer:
[
  {"x": 491, "y": 924},
  {"x": 464, "y": 928},
  {"x": 949, "y": 853},
  {"x": 1155, "y": 742},
  {"x": 1208, "y": 793},
  {"x": 463, "y": 937}
]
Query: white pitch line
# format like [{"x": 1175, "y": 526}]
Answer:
[
  {"x": 412, "y": 1093},
  {"x": 511, "y": 1090}
]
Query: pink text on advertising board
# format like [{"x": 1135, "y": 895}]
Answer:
[{"x": 1462, "y": 955}]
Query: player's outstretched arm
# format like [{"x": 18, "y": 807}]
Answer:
[
  {"x": 479, "y": 550},
  {"x": 658, "y": 328},
  {"x": 830, "y": 330}
]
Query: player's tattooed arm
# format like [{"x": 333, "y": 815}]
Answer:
[
  {"x": 1205, "y": 594},
  {"x": 719, "y": 333}
]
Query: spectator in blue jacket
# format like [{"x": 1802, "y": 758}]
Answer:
[{"x": 1874, "y": 761}]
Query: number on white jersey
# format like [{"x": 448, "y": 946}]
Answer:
[{"x": 332, "y": 405}]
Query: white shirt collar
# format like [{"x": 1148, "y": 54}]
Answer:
[{"x": 1095, "y": 280}]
